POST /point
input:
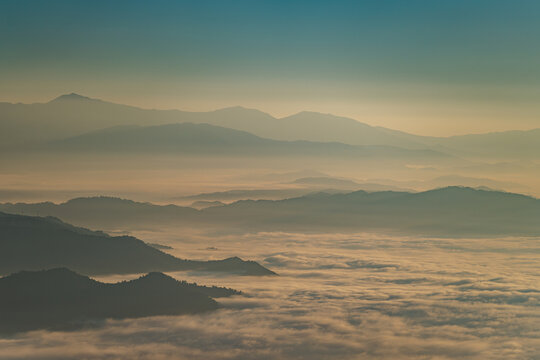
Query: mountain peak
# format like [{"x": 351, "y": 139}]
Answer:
[
  {"x": 241, "y": 110},
  {"x": 71, "y": 97}
]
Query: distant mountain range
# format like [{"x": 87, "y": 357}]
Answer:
[
  {"x": 62, "y": 299},
  {"x": 455, "y": 211},
  {"x": 119, "y": 214},
  {"x": 204, "y": 139},
  {"x": 251, "y": 194},
  {"x": 36, "y": 243},
  {"x": 71, "y": 115},
  {"x": 450, "y": 211},
  {"x": 327, "y": 182}
]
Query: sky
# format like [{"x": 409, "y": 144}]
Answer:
[{"x": 426, "y": 67}]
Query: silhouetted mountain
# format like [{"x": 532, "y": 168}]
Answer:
[
  {"x": 447, "y": 211},
  {"x": 322, "y": 183},
  {"x": 313, "y": 126},
  {"x": 250, "y": 194},
  {"x": 500, "y": 145},
  {"x": 455, "y": 180},
  {"x": 287, "y": 193},
  {"x": 35, "y": 243},
  {"x": 71, "y": 97},
  {"x": 103, "y": 211},
  {"x": 73, "y": 114},
  {"x": 204, "y": 139},
  {"x": 68, "y": 115},
  {"x": 61, "y": 298}
]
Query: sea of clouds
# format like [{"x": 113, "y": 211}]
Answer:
[{"x": 343, "y": 296}]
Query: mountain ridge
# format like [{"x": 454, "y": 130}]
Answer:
[
  {"x": 60, "y": 298},
  {"x": 35, "y": 243},
  {"x": 205, "y": 139},
  {"x": 447, "y": 211},
  {"x": 74, "y": 114}
]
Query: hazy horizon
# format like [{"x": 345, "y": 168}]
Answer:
[
  {"x": 275, "y": 115},
  {"x": 425, "y": 68}
]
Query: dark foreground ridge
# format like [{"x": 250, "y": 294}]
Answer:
[
  {"x": 62, "y": 299},
  {"x": 36, "y": 243}
]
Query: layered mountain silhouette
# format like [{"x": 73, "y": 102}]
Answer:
[
  {"x": 455, "y": 211},
  {"x": 36, "y": 243},
  {"x": 204, "y": 139},
  {"x": 338, "y": 184},
  {"x": 309, "y": 185},
  {"x": 104, "y": 211},
  {"x": 515, "y": 144},
  {"x": 62, "y": 299},
  {"x": 72, "y": 114},
  {"x": 249, "y": 194}
]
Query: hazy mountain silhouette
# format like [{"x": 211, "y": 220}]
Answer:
[
  {"x": 327, "y": 182},
  {"x": 36, "y": 243},
  {"x": 251, "y": 194},
  {"x": 62, "y": 299},
  {"x": 72, "y": 97},
  {"x": 204, "y": 139},
  {"x": 73, "y": 114},
  {"x": 450, "y": 180},
  {"x": 513, "y": 144},
  {"x": 308, "y": 125},
  {"x": 456, "y": 180},
  {"x": 309, "y": 185},
  {"x": 447, "y": 211},
  {"x": 103, "y": 211}
]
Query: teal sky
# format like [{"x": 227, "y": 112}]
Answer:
[{"x": 430, "y": 67}]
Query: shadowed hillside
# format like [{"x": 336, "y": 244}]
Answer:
[
  {"x": 62, "y": 299},
  {"x": 35, "y": 243}
]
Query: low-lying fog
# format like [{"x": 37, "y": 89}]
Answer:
[{"x": 337, "y": 297}]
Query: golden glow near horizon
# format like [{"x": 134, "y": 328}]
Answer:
[
  {"x": 426, "y": 68},
  {"x": 421, "y": 110}
]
